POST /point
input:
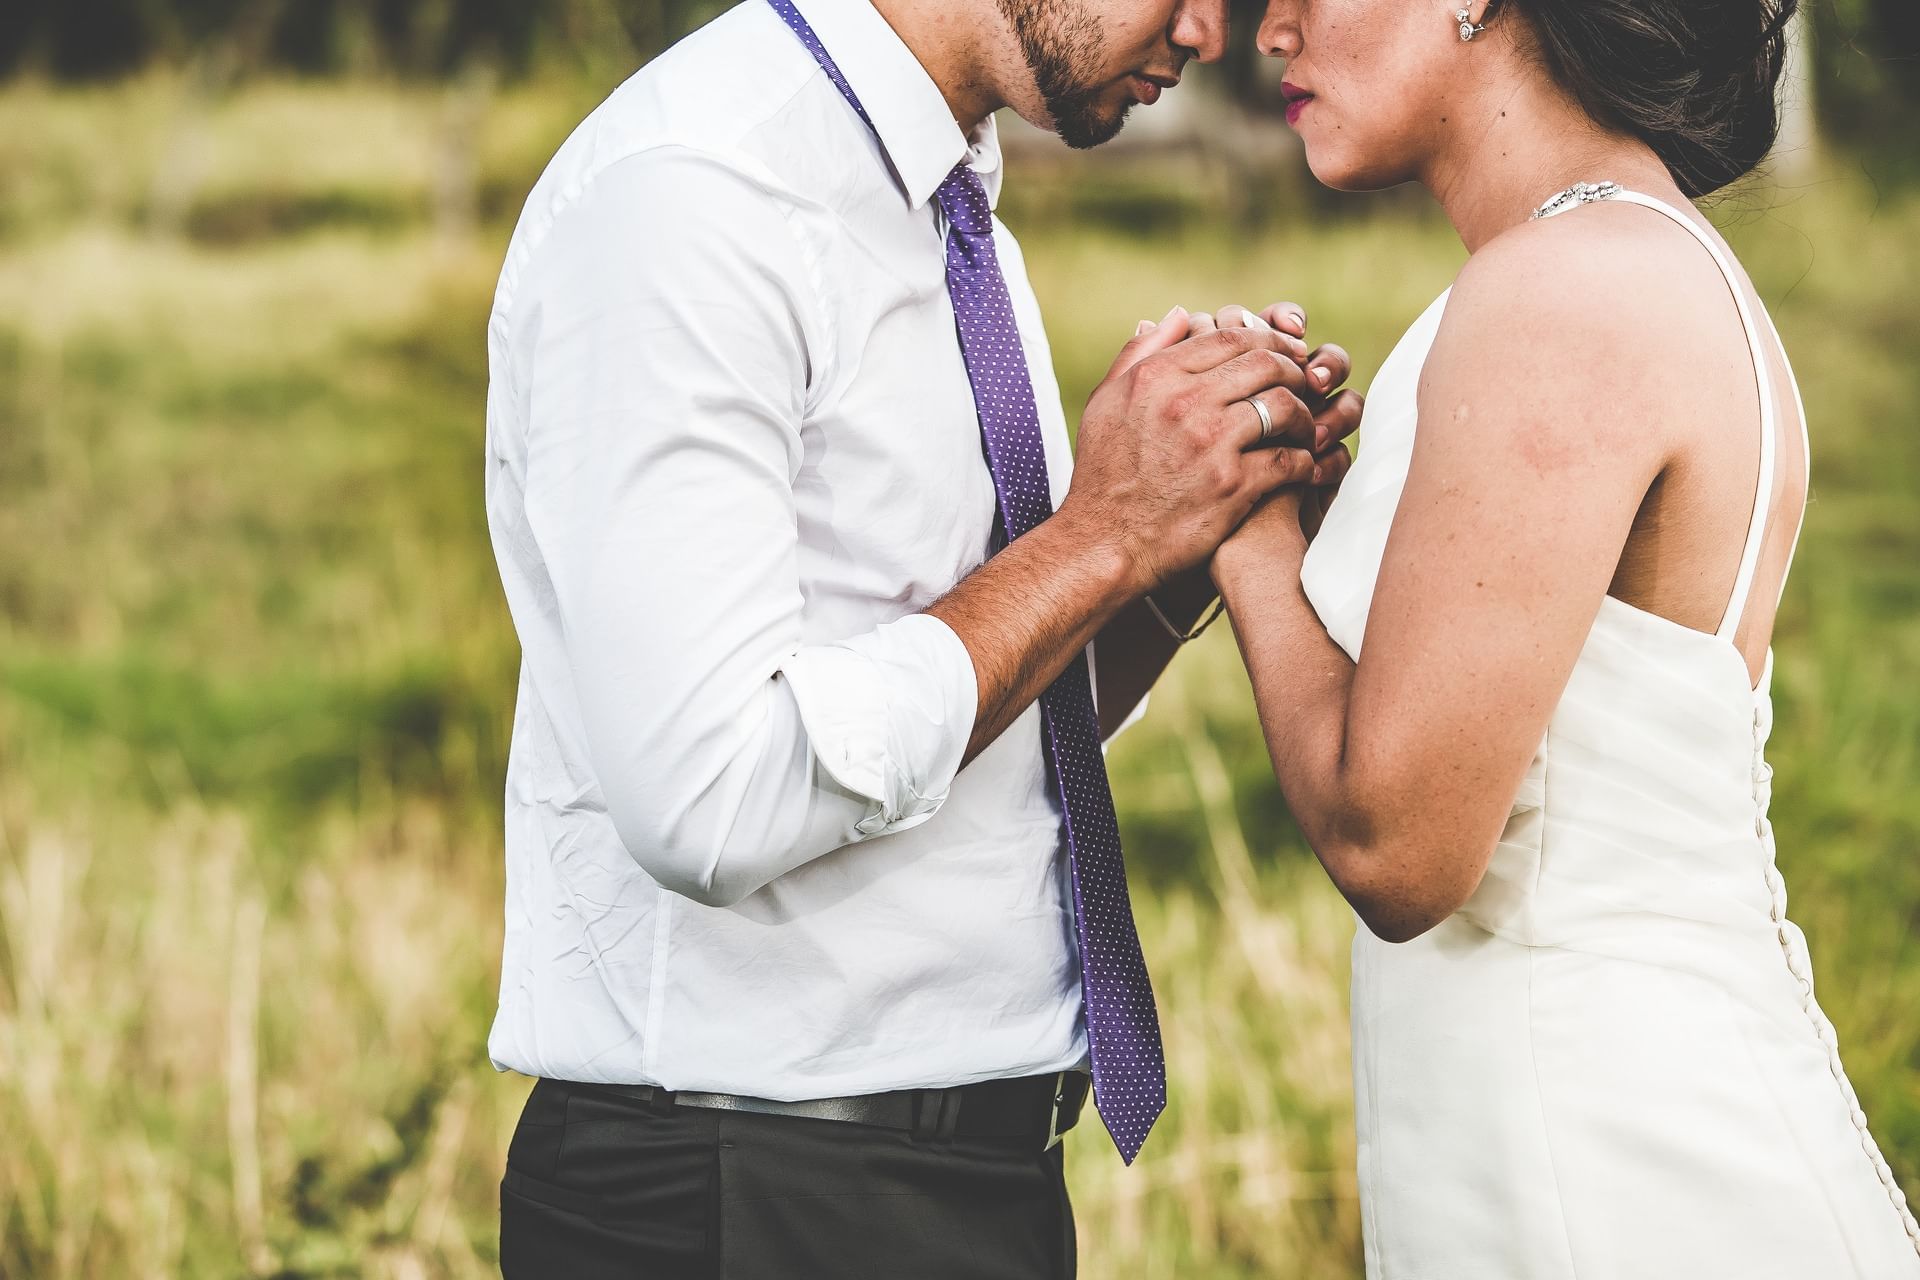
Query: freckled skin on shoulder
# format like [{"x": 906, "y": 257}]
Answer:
[
  {"x": 1610, "y": 301},
  {"x": 1623, "y": 338}
]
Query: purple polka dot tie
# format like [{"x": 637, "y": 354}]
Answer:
[{"x": 1123, "y": 1028}]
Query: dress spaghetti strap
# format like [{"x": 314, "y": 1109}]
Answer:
[
  {"x": 1763, "y": 487},
  {"x": 1806, "y": 455}
]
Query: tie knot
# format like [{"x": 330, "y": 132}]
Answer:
[{"x": 964, "y": 197}]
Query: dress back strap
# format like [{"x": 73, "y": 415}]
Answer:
[
  {"x": 1806, "y": 453},
  {"x": 1763, "y": 488}
]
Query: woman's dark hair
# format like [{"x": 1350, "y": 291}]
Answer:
[{"x": 1694, "y": 79}]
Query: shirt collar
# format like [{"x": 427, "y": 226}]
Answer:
[{"x": 910, "y": 114}]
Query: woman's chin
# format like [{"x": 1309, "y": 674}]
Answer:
[
  {"x": 1348, "y": 172},
  {"x": 1328, "y": 174}
]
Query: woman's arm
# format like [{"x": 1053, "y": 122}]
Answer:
[{"x": 1540, "y": 430}]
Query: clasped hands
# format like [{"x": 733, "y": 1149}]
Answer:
[{"x": 1173, "y": 460}]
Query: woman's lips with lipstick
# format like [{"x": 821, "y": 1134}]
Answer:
[{"x": 1297, "y": 100}]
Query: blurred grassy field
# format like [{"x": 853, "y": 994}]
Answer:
[{"x": 256, "y": 673}]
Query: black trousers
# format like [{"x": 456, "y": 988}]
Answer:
[{"x": 599, "y": 1186}]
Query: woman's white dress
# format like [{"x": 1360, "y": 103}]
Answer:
[{"x": 1608, "y": 1064}]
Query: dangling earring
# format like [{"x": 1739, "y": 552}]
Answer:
[{"x": 1467, "y": 30}]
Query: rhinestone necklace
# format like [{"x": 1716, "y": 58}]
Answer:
[{"x": 1578, "y": 194}]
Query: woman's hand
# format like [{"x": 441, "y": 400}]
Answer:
[
  {"x": 1330, "y": 468},
  {"x": 1327, "y": 366},
  {"x": 1274, "y": 537},
  {"x": 1287, "y": 522}
]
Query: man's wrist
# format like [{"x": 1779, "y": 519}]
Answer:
[{"x": 1102, "y": 555}]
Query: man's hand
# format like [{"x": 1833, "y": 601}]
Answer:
[
  {"x": 1171, "y": 458},
  {"x": 1337, "y": 411},
  {"x": 1171, "y": 461}
]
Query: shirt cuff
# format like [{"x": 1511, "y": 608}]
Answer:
[{"x": 888, "y": 714}]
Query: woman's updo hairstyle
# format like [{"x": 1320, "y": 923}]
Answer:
[{"x": 1694, "y": 79}]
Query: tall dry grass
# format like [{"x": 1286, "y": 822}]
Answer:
[{"x": 208, "y": 1075}]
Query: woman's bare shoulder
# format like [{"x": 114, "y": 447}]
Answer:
[
  {"x": 1600, "y": 326},
  {"x": 1607, "y": 268}
]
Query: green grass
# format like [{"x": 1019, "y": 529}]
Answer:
[{"x": 256, "y": 679}]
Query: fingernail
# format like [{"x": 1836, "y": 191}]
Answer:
[
  {"x": 1253, "y": 321},
  {"x": 1294, "y": 324},
  {"x": 1318, "y": 472},
  {"x": 1176, "y": 311},
  {"x": 1145, "y": 326},
  {"x": 1322, "y": 375},
  {"x": 1319, "y": 439}
]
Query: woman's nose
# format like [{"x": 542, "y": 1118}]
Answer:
[{"x": 1279, "y": 34}]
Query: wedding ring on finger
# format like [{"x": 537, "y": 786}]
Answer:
[{"x": 1266, "y": 418}]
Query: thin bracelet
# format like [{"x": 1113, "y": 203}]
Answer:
[{"x": 1179, "y": 636}]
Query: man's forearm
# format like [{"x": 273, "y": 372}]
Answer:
[
  {"x": 1025, "y": 614},
  {"x": 1132, "y": 651}
]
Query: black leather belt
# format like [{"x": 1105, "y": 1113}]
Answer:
[{"x": 1032, "y": 1110}]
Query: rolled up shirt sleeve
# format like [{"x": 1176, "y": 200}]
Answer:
[
  {"x": 666, "y": 337},
  {"x": 881, "y": 711}
]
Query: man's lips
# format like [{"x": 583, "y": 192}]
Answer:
[
  {"x": 1147, "y": 89},
  {"x": 1297, "y": 100}
]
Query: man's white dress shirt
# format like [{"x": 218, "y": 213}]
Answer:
[{"x": 732, "y": 452}]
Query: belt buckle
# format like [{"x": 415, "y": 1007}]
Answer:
[{"x": 1053, "y": 1111}]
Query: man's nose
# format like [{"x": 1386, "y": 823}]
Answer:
[{"x": 1200, "y": 28}]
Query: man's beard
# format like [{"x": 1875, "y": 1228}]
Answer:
[{"x": 1063, "y": 47}]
